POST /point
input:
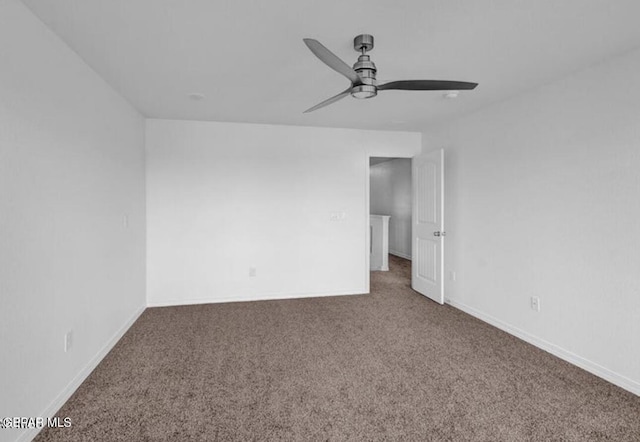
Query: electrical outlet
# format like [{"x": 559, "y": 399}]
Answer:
[
  {"x": 252, "y": 271},
  {"x": 452, "y": 275},
  {"x": 535, "y": 303},
  {"x": 68, "y": 340}
]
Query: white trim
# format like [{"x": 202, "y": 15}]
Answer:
[
  {"x": 590, "y": 366},
  {"x": 66, "y": 393},
  {"x": 400, "y": 254},
  {"x": 368, "y": 212},
  {"x": 240, "y": 298},
  {"x": 367, "y": 226}
]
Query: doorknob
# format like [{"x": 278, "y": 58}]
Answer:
[{"x": 439, "y": 233}]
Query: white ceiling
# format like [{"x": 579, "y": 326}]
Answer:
[{"x": 247, "y": 56}]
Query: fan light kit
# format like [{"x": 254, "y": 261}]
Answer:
[{"x": 363, "y": 74}]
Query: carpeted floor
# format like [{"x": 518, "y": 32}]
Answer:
[{"x": 387, "y": 366}]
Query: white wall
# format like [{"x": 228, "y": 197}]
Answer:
[
  {"x": 543, "y": 199},
  {"x": 391, "y": 195},
  {"x": 225, "y": 197},
  {"x": 71, "y": 167}
]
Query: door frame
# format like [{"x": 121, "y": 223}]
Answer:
[{"x": 367, "y": 279}]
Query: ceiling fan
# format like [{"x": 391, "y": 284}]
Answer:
[{"x": 363, "y": 74}]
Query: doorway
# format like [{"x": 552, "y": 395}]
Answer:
[
  {"x": 390, "y": 211},
  {"x": 390, "y": 195},
  {"x": 408, "y": 195}
]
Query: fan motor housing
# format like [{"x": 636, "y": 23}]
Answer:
[{"x": 365, "y": 68}]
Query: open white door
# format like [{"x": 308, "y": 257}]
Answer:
[{"x": 427, "y": 273}]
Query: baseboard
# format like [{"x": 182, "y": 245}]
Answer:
[
  {"x": 66, "y": 393},
  {"x": 381, "y": 269},
  {"x": 263, "y": 297},
  {"x": 400, "y": 254},
  {"x": 590, "y": 366}
]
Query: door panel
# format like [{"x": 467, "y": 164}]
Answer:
[
  {"x": 427, "y": 252},
  {"x": 427, "y": 176},
  {"x": 427, "y": 276}
]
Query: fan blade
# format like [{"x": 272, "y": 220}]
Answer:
[
  {"x": 427, "y": 85},
  {"x": 328, "y": 101},
  {"x": 332, "y": 60}
]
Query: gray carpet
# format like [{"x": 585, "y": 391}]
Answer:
[{"x": 387, "y": 366}]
